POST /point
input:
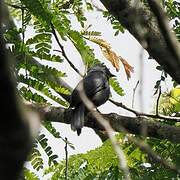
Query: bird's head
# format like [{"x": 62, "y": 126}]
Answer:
[{"x": 103, "y": 68}]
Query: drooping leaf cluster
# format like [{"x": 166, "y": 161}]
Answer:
[{"x": 36, "y": 159}]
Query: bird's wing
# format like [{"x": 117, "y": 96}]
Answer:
[{"x": 93, "y": 83}]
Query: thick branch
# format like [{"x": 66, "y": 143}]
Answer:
[
  {"x": 142, "y": 24},
  {"x": 164, "y": 27},
  {"x": 133, "y": 125}
]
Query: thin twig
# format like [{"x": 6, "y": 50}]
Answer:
[
  {"x": 90, "y": 106},
  {"x": 57, "y": 50},
  {"x": 139, "y": 114},
  {"x": 63, "y": 52},
  {"x": 157, "y": 102},
  {"x": 134, "y": 91},
  {"x": 66, "y": 151}
]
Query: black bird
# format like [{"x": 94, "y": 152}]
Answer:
[{"x": 96, "y": 88}]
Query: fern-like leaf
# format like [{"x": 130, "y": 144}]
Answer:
[
  {"x": 35, "y": 158},
  {"x": 43, "y": 88},
  {"x": 115, "y": 23},
  {"x": 30, "y": 96},
  {"x": 78, "y": 11},
  {"x": 52, "y": 130},
  {"x": 85, "y": 51},
  {"x": 38, "y": 10},
  {"x": 116, "y": 86},
  {"x": 43, "y": 141}
]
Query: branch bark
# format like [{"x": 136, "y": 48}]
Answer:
[
  {"x": 133, "y": 125},
  {"x": 143, "y": 25}
]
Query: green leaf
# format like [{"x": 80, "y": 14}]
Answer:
[
  {"x": 116, "y": 86},
  {"x": 89, "y": 6},
  {"x": 175, "y": 98},
  {"x": 52, "y": 129},
  {"x": 85, "y": 51},
  {"x": 48, "y": 150},
  {"x": 35, "y": 158},
  {"x": 38, "y": 10},
  {"x": 43, "y": 88},
  {"x": 29, "y": 175},
  {"x": 115, "y": 23}
]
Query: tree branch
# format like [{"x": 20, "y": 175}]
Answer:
[
  {"x": 140, "y": 114},
  {"x": 142, "y": 24},
  {"x": 63, "y": 52},
  {"x": 133, "y": 125}
]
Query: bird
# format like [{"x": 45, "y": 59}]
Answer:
[{"x": 97, "y": 89}]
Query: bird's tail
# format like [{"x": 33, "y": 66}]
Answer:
[{"x": 77, "y": 121}]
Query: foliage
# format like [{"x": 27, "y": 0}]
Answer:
[
  {"x": 162, "y": 79},
  {"x": 170, "y": 102},
  {"x": 173, "y": 10},
  {"x": 29, "y": 175},
  {"x": 36, "y": 158},
  {"x": 175, "y": 99},
  {"x": 115, "y": 23},
  {"x": 102, "y": 162},
  {"x": 94, "y": 164},
  {"x": 85, "y": 51},
  {"x": 116, "y": 87}
]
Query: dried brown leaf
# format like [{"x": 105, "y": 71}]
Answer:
[
  {"x": 128, "y": 68},
  {"x": 112, "y": 57},
  {"x": 100, "y": 42}
]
